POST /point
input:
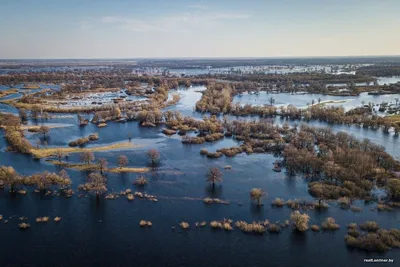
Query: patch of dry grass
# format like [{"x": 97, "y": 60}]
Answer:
[{"x": 47, "y": 152}]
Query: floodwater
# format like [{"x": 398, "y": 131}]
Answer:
[
  {"x": 108, "y": 233},
  {"x": 303, "y": 100}
]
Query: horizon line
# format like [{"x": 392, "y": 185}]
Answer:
[{"x": 191, "y": 58}]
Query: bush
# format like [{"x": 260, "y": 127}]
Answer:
[
  {"x": 380, "y": 241},
  {"x": 300, "y": 221},
  {"x": 93, "y": 137},
  {"x": 214, "y": 155},
  {"x": 344, "y": 202},
  {"x": 79, "y": 142},
  {"x": 369, "y": 226},
  {"x": 353, "y": 232},
  {"x": 184, "y": 225},
  {"x": 141, "y": 181},
  {"x": 168, "y": 131},
  {"x": 356, "y": 209},
  {"x": 278, "y": 202},
  {"x": 383, "y": 207},
  {"x": 327, "y": 191},
  {"x": 315, "y": 228},
  {"x": 216, "y": 225},
  {"x": 250, "y": 227},
  {"x": 330, "y": 224},
  {"x": 193, "y": 140},
  {"x": 321, "y": 205},
  {"x": 213, "y": 137},
  {"x": 274, "y": 228},
  {"x": 203, "y": 151}
]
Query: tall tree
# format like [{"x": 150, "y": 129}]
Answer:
[{"x": 102, "y": 164}]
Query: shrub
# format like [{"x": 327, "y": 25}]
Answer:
[
  {"x": 344, "y": 202},
  {"x": 383, "y": 207},
  {"x": 203, "y": 151},
  {"x": 93, "y": 137},
  {"x": 293, "y": 204},
  {"x": 278, "y": 202},
  {"x": 352, "y": 226},
  {"x": 184, "y": 225},
  {"x": 168, "y": 131},
  {"x": 274, "y": 228},
  {"x": 24, "y": 225},
  {"x": 327, "y": 191},
  {"x": 256, "y": 194},
  {"x": 141, "y": 181},
  {"x": 379, "y": 241},
  {"x": 154, "y": 155},
  {"x": 144, "y": 223},
  {"x": 369, "y": 226},
  {"x": 79, "y": 142},
  {"x": 214, "y": 155},
  {"x": 300, "y": 221},
  {"x": 193, "y": 140},
  {"x": 356, "y": 209},
  {"x": 315, "y": 228},
  {"x": 321, "y": 205},
  {"x": 353, "y": 232},
  {"x": 250, "y": 227},
  {"x": 330, "y": 224},
  {"x": 216, "y": 224}
]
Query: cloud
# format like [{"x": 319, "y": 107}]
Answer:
[{"x": 184, "y": 22}]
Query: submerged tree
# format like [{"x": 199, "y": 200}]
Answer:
[
  {"x": 87, "y": 157},
  {"x": 59, "y": 154},
  {"x": 23, "y": 116},
  {"x": 154, "y": 155},
  {"x": 96, "y": 183},
  {"x": 122, "y": 161},
  {"x": 44, "y": 130},
  {"x": 256, "y": 194},
  {"x": 102, "y": 164},
  {"x": 214, "y": 175},
  {"x": 9, "y": 177},
  {"x": 300, "y": 221}
]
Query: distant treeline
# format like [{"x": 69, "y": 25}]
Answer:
[{"x": 380, "y": 70}]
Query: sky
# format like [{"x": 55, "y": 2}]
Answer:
[{"x": 42, "y": 29}]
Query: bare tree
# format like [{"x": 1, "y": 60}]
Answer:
[
  {"x": 102, "y": 164},
  {"x": 214, "y": 175},
  {"x": 154, "y": 155},
  {"x": 87, "y": 157},
  {"x": 59, "y": 154},
  {"x": 122, "y": 161},
  {"x": 96, "y": 183},
  {"x": 44, "y": 130}
]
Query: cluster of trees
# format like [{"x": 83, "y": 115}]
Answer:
[
  {"x": 343, "y": 165},
  {"x": 43, "y": 181},
  {"x": 13, "y": 133},
  {"x": 218, "y": 99}
]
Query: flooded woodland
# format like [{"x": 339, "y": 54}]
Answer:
[{"x": 240, "y": 164}]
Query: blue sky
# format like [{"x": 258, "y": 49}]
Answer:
[{"x": 177, "y": 28}]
